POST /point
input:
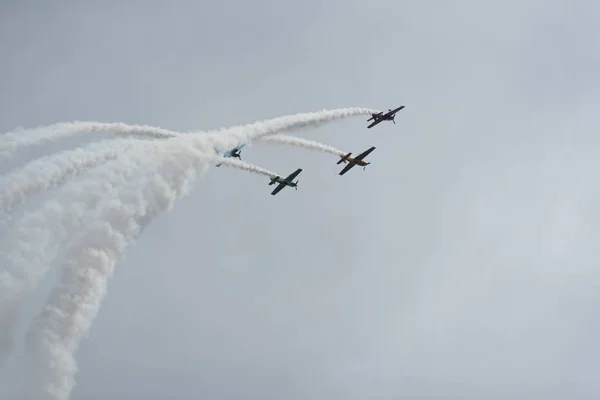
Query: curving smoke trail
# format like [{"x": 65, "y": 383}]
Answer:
[
  {"x": 168, "y": 168},
  {"x": 51, "y": 171},
  {"x": 72, "y": 306},
  {"x": 47, "y": 228},
  {"x": 246, "y": 167},
  {"x": 301, "y": 142},
  {"x": 288, "y": 123},
  {"x": 13, "y": 141},
  {"x": 35, "y": 240}
]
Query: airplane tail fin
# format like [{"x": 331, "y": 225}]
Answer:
[
  {"x": 296, "y": 187},
  {"x": 344, "y": 158}
]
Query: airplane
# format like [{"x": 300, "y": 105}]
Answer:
[
  {"x": 358, "y": 160},
  {"x": 285, "y": 182},
  {"x": 235, "y": 153},
  {"x": 379, "y": 117}
]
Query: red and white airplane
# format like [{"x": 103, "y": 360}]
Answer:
[{"x": 379, "y": 117}]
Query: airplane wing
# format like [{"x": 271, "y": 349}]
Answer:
[
  {"x": 364, "y": 154},
  {"x": 347, "y": 168},
  {"x": 394, "y": 111},
  {"x": 278, "y": 188},
  {"x": 374, "y": 123},
  {"x": 293, "y": 175}
]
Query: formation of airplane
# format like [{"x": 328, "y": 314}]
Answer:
[
  {"x": 283, "y": 182},
  {"x": 358, "y": 160},
  {"x": 235, "y": 153},
  {"x": 380, "y": 117},
  {"x": 347, "y": 159}
]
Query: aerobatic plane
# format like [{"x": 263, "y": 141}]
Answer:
[
  {"x": 285, "y": 182},
  {"x": 379, "y": 117},
  {"x": 358, "y": 160},
  {"x": 235, "y": 153}
]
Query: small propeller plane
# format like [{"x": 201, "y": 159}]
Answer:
[
  {"x": 285, "y": 182},
  {"x": 235, "y": 153},
  {"x": 358, "y": 160},
  {"x": 379, "y": 117}
]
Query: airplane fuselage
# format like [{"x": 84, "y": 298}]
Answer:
[
  {"x": 278, "y": 179},
  {"x": 236, "y": 152},
  {"x": 380, "y": 117},
  {"x": 362, "y": 163}
]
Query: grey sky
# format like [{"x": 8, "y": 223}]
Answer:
[{"x": 460, "y": 263}]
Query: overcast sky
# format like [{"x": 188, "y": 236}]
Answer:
[{"x": 461, "y": 263}]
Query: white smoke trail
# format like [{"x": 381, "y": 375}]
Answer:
[
  {"x": 40, "y": 234},
  {"x": 13, "y": 141},
  {"x": 51, "y": 171},
  {"x": 246, "y": 167},
  {"x": 89, "y": 262},
  {"x": 35, "y": 240},
  {"x": 304, "y": 143},
  {"x": 288, "y": 123},
  {"x": 33, "y": 178},
  {"x": 71, "y": 310}
]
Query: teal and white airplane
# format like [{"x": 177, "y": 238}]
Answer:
[{"x": 235, "y": 153}]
